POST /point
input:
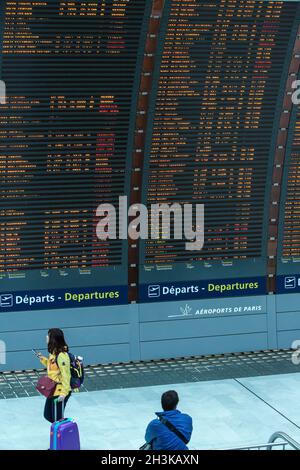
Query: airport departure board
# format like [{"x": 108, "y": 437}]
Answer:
[
  {"x": 219, "y": 89},
  {"x": 290, "y": 250},
  {"x": 72, "y": 71},
  {"x": 288, "y": 259}
]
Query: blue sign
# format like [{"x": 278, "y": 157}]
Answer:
[
  {"x": 202, "y": 289},
  {"x": 63, "y": 298},
  {"x": 288, "y": 284}
]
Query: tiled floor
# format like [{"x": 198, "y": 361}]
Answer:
[
  {"x": 140, "y": 374},
  {"x": 226, "y": 413}
]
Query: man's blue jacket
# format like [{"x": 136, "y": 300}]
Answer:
[{"x": 162, "y": 437}]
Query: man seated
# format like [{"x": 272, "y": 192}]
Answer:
[{"x": 172, "y": 429}]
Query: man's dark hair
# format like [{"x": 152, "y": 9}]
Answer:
[
  {"x": 57, "y": 343},
  {"x": 169, "y": 400}
]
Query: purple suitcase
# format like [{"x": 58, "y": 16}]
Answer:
[{"x": 64, "y": 434}]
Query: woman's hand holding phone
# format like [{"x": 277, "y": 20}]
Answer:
[{"x": 37, "y": 353}]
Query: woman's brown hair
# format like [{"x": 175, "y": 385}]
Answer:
[{"x": 57, "y": 342}]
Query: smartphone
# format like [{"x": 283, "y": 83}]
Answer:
[{"x": 36, "y": 352}]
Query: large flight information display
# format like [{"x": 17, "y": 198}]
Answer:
[
  {"x": 219, "y": 90},
  {"x": 71, "y": 70},
  {"x": 288, "y": 259}
]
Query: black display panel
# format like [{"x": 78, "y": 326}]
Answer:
[
  {"x": 71, "y": 70},
  {"x": 288, "y": 259},
  {"x": 217, "y": 100}
]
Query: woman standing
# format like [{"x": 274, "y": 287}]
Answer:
[{"x": 58, "y": 369}]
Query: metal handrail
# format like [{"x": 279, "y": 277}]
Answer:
[
  {"x": 258, "y": 446},
  {"x": 286, "y": 441},
  {"x": 283, "y": 435}
]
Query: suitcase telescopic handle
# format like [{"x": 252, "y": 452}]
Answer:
[{"x": 55, "y": 408}]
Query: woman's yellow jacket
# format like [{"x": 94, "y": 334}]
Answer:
[{"x": 58, "y": 369}]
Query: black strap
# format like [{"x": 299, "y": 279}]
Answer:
[
  {"x": 147, "y": 445},
  {"x": 173, "y": 429}
]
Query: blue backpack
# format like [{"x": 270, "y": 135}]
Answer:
[{"x": 77, "y": 371}]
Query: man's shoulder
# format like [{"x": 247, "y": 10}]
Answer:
[
  {"x": 186, "y": 417},
  {"x": 154, "y": 422}
]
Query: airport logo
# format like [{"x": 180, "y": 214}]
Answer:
[
  {"x": 186, "y": 310},
  {"x": 154, "y": 291},
  {"x": 6, "y": 300},
  {"x": 290, "y": 282}
]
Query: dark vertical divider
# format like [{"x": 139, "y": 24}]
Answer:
[{"x": 144, "y": 96}]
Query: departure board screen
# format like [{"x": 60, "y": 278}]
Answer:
[
  {"x": 288, "y": 260},
  {"x": 290, "y": 250},
  {"x": 219, "y": 89},
  {"x": 71, "y": 70}
]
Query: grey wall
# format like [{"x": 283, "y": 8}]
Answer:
[
  {"x": 157, "y": 330},
  {"x": 288, "y": 319}
]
